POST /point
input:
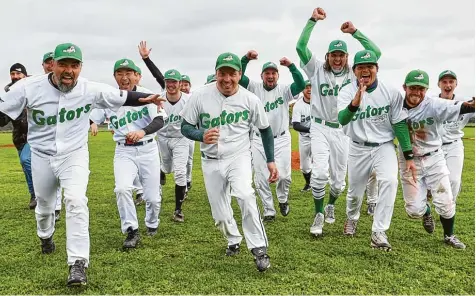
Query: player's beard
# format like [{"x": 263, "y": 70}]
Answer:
[
  {"x": 413, "y": 100},
  {"x": 64, "y": 87}
]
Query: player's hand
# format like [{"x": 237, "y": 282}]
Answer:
[
  {"x": 273, "y": 172},
  {"x": 410, "y": 165},
  {"x": 252, "y": 55},
  {"x": 135, "y": 136},
  {"x": 362, "y": 86},
  {"x": 153, "y": 99},
  {"x": 143, "y": 50},
  {"x": 94, "y": 129},
  {"x": 469, "y": 103},
  {"x": 285, "y": 62},
  {"x": 211, "y": 136},
  {"x": 348, "y": 27},
  {"x": 318, "y": 14}
]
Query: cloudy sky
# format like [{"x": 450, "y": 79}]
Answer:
[{"x": 432, "y": 35}]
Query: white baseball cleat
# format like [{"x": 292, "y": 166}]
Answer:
[
  {"x": 329, "y": 212},
  {"x": 317, "y": 225},
  {"x": 379, "y": 240},
  {"x": 350, "y": 227}
]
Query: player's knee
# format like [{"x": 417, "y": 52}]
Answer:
[
  {"x": 446, "y": 211},
  {"x": 75, "y": 204},
  {"x": 414, "y": 211},
  {"x": 123, "y": 191}
]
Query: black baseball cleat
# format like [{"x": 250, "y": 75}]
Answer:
[
  {"x": 151, "y": 231},
  {"x": 306, "y": 188},
  {"x": 189, "y": 185},
  {"x": 132, "y": 239},
  {"x": 269, "y": 218},
  {"x": 138, "y": 201},
  {"x": 77, "y": 274},
  {"x": 284, "y": 208},
  {"x": 261, "y": 259},
  {"x": 428, "y": 223},
  {"x": 47, "y": 245},
  {"x": 57, "y": 215},
  {"x": 32, "y": 203},
  {"x": 163, "y": 179},
  {"x": 232, "y": 250}
]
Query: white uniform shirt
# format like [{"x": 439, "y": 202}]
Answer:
[
  {"x": 276, "y": 104},
  {"x": 173, "y": 123},
  {"x": 127, "y": 118},
  {"x": 302, "y": 114},
  {"x": 425, "y": 120},
  {"x": 378, "y": 111},
  {"x": 451, "y": 131},
  {"x": 325, "y": 89},
  {"x": 58, "y": 122},
  {"x": 233, "y": 115}
]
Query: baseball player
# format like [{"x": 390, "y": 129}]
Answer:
[
  {"x": 174, "y": 147},
  {"x": 58, "y": 106},
  {"x": 275, "y": 98},
  {"x": 372, "y": 115},
  {"x": 301, "y": 120},
  {"x": 211, "y": 78},
  {"x": 225, "y": 113},
  {"x": 451, "y": 132},
  {"x": 185, "y": 88},
  {"x": 425, "y": 115},
  {"x": 329, "y": 144},
  {"x": 136, "y": 155}
]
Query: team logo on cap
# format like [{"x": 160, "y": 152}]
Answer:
[
  {"x": 420, "y": 77},
  {"x": 184, "y": 76},
  {"x": 366, "y": 56},
  {"x": 70, "y": 49},
  {"x": 271, "y": 65},
  {"x": 172, "y": 73},
  {"x": 448, "y": 72},
  {"x": 339, "y": 44},
  {"x": 125, "y": 63},
  {"x": 228, "y": 58},
  {"x": 18, "y": 69}
]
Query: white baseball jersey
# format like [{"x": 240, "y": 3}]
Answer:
[
  {"x": 58, "y": 122},
  {"x": 127, "y": 119},
  {"x": 378, "y": 111},
  {"x": 302, "y": 114},
  {"x": 233, "y": 115},
  {"x": 325, "y": 89},
  {"x": 173, "y": 123},
  {"x": 425, "y": 119},
  {"x": 276, "y": 104},
  {"x": 451, "y": 131}
]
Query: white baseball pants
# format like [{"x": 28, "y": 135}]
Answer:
[
  {"x": 175, "y": 153},
  {"x": 190, "y": 161},
  {"x": 454, "y": 155},
  {"x": 305, "y": 155}
]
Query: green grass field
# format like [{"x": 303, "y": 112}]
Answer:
[{"x": 189, "y": 258}]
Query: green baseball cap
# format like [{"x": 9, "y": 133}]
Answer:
[
  {"x": 228, "y": 59},
  {"x": 269, "y": 65},
  {"x": 337, "y": 45},
  {"x": 47, "y": 56},
  {"x": 365, "y": 57},
  {"x": 211, "y": 78},
  {"x": 68, "y": 51},
  {"x": 173, "y": 75},
  {"x": 307, "y": 82},
  {"x": 417, "y": 77},
  {"x": 125, "y": 64},
  {"x": 447, "y": 73},
  {"x": 186, "y": 78},
  {"x": 138, "y": 70}
]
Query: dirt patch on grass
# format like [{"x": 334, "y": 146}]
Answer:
[
  {"x": 7, "y": 146},
  {"x": 295, "y": 160}
]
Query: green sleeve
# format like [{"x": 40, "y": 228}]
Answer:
[
  {"x": 191, "y": 132},
  {"x": 301, "y": 47},
  {"x": 403, "y": 135},
  {"x": 299, "y": 84},
  {"x": 345, "y": 116},
  {"x": 244, "y": 81},
  {"x": 268, "y": 143},
  {"x": 367, "y": 43}
]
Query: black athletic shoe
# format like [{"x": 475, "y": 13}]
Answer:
[
  {"x": 32, "y": 203},
  {"x": 163, "y": 179},
  {"x": 232, "y": 250},
  {"x": 261, "y": 259},
  {"x": 57, "y": 215},
  {"x": 189, "y": 185},
  {"x": 151, "y": 231},
  {"x": 284, "y": 208},
  {"x": 138, "y": 201},
  {"x": 77, "y": 274},
  {"x": 47, "y": 245},
  {"x": 306, "y": 188},
  {"x": 269, "y": 218},
  {"x": 132, "y": 238}
]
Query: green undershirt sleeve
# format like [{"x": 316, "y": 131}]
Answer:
[
  {"x": 367, "y": 43},
  {"x": 403, "y": 136},
  {"x": 346, "y": 115},
  {"x": 191, "y": 132},
  {"x": 299, "y": 84},
  {"x": 301, "y": 47},
  {"x": 244, "y": 81},
  {"x": 268, "y": 143}
]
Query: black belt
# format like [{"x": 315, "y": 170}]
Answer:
[
  {"x": 207, "y": 157},
  {"x": 430, "y": 153},
  {"x": 135, "y": 144},
  {"x": 281, "y": 134},
  {"x": 449, "y": 142},
  {"x": 367, "y": 144}
]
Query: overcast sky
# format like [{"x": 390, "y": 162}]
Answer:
[{"x": 189, "y": 35}]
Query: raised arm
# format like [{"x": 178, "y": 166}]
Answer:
[
  {"x": 368, "y": 44},
  {"x": 301, "y": 47},
  {"x": 144, "y": 53},
  {"x": 250, "y": 55},
  {"x": 299, "y": 84}
]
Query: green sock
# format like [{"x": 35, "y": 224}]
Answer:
[
  {"x": 448, "y": 225},
  {"x": 428, "y": 210},
  {"x": 332, "y": 199},
  {"x": 319, "y": 205}
]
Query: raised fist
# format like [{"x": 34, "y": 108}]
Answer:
[
  {"x": 348, "y": 27},
  {"x": 318, "y": 14},
  {"x": 252, "y": 55},
  {"x": 285, "y": 62}
]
